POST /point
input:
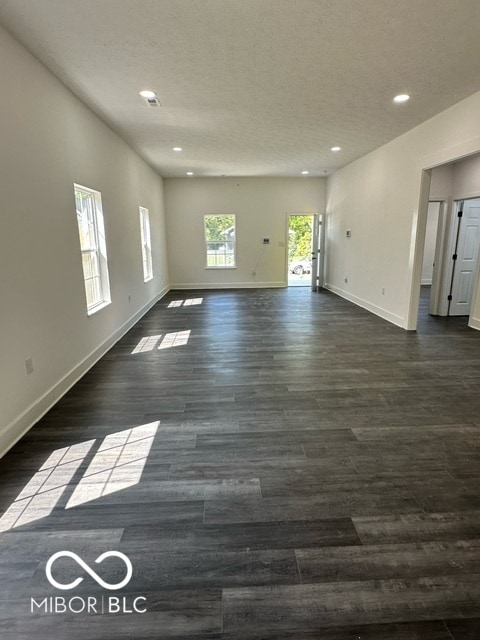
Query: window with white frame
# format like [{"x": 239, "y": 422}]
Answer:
[
  {"x": 93, "y": 246},
  {"x": 146, "y": 244},
  {"x": 220, "y": 240}
]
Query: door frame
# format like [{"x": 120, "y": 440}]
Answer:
[
  {"x": 318, "y": 251},
  {"x": 456, "y": 231},
  {"x": 317, "y": 273},
  {"x": 448, "y": 227},
  {"x": 454, "y": 228},
  {"x": 419, "y": 224},
  {"x": 437, "y": 274}
]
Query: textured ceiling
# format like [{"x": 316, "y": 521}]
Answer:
[{"x": 256, "y": 87}]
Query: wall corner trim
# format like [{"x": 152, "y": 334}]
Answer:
[
  {"x": 368, "y": 306},
  {"x": 474, "y": 323}
]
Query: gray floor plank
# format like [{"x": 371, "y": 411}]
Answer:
[
  {"x": 243, "y": 536},
  {"x": 418, "y": 527},
  {"x": 314, "y": 474},
  {"x": 311, "y": 606},
  {"x": 338, "y": 504},
  {"x": 388, "y": 561}
]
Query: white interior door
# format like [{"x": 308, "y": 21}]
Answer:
[{"x": 465, "y": 259}]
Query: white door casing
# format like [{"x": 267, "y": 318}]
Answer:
[
  {"x": 438, "y": 290},
  {"x": 316, "y": 231},
  {"x": 430, "y": 241}
]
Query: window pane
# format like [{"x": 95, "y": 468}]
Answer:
[
  {"x": 97, "y": 291},
  {"x": 92, "y": 243},
  {"x": 94, "y": 291},
  {"x": 91, "y": 267},
  {"x": 220, "y": 240},
  {"x": 146, "y": 243},
  {"x": 89, "y": 290}
]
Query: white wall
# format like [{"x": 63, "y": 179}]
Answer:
[
  {"x": 441, "y": 184},
  {"x": 49, "y": 141},
  {"x": 466, "y": 178},
  {"x": 261, "y": 206},
  {"x": 383, "y": 198}
]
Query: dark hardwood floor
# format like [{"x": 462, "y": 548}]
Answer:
[{"x": 275, "y": 464}]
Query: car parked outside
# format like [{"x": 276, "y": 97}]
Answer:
[{"x": 299, "y": 267}]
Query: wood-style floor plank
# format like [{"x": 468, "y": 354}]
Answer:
[
  {"x": 346, "y": 603},
  {"x": 297, "y": 469}
]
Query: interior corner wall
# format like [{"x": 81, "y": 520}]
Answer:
[
  {"x": 379, "y": 198},
  {"x": 51, "y": 140},
  {"x": 441, "y": 185},
  {"x": 466, "y": 178},
  {"x": 261, "y": 206},
  {"x": 456, "y": 181}
]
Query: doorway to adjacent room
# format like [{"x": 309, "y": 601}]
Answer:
[
  {"x": 450, "y": 264},
  {"x": 304, "y": 242}
]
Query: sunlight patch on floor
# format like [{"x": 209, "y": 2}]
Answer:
[
  {"x": 40, "y": 496},
  {"x": 189, "y": 302},
  {"x": 173, "y": 339},
  {"x": 147, "y": 344},
  {"x": 117, "y": 465}
]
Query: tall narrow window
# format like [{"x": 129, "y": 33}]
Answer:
[
  {"x": 220, "y": 241},
  {"x": 93, "y": 246},
  {"x": 146, "y": 244}
]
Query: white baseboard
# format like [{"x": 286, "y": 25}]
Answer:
[
  {"x": 25, "y": 421},
  {"x": 474, "y": 323},
  {"x": 229, "y": 285},
  {"x": 378, "y": 311}
]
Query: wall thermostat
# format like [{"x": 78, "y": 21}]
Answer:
[{"x": 266, "y": 241}]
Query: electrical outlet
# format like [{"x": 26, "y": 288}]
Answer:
[
  {"x": 129, "y": 298},
  {"x": 254, "y": 272},
  {"x": 29, "y": 365},
  {"x": 346, "y": 280},
  {"x": 383, "y": 291}
]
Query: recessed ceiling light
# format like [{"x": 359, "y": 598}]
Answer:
[
  {"x": 402, "y": 97},
  {"x": 177, "y": 148},
  {"x": 336, "y": 149},
  {"x": 189, "y": 173},
  {"x": 304, "y": 173},
  {"x": 149, "y": 95}
]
